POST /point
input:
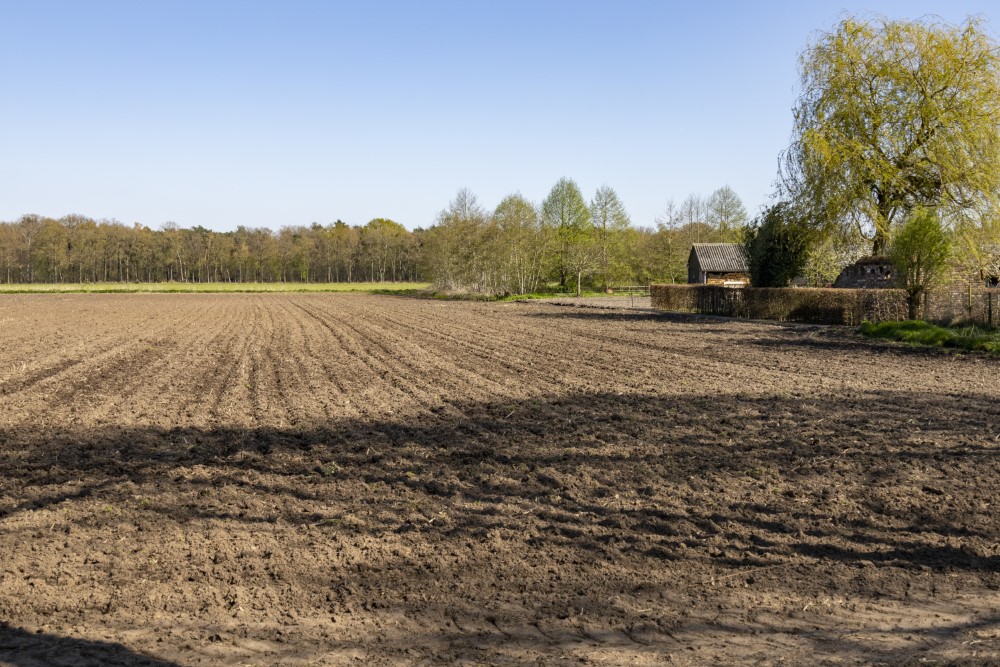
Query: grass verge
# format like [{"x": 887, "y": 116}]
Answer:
[{"x": 916, "y": 332}]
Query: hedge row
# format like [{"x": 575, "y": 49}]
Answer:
[{"x": 791, "y": 304}]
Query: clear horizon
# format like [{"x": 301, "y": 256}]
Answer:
[{"x": 222, "y": 115}]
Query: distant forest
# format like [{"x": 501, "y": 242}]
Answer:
[
  {"x": 77, "y": 249},
  {"x": 518, "y": 247}
]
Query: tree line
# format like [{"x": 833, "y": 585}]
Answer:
[
  {"x": 517, "y": 248},
  {"x": 520, "y": 247},
  {"x": 79, "y": 249}
]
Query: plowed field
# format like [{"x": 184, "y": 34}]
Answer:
[{"x": 328, "y": 479}]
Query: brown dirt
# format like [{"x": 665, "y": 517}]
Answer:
[
  {"x": 604, "y": 302},
  {"x": 331, "y": 479}
]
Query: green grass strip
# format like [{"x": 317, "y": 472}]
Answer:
[{"x": 925, "y": 334}]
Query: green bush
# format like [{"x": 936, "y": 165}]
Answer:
[
  {"x": 776, "y": 245},
  {"x": 920, "y": 253}
]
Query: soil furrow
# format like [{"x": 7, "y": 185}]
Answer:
[{"x": 329, "y": 479}]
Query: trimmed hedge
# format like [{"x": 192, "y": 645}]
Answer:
[{"x": 789, "y": 304}]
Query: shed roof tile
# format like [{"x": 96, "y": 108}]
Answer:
[{"x": 721, "y": 257}]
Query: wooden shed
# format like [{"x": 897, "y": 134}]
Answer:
[{"x": 718, "y": 264}]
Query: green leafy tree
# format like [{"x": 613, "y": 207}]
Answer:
[
  {"x": 612, "y": 233},
  {"x": 892, "y": 116},
  {"x": 565, "y": 211},
  {"x": 726, "y": 212},
  {"x": 776, "y": 245},
  {"x": 29, "y": 227},
  {"x": 920, "y": 253},
  {"x": 830, "y": 252},
  {"x": 453, "y": 248},
  {"x": 651, "y": 254},
  {"x": 382, "y": 245},
  {"x": 52, "y": 252},
  {"x": 81, "y": 249},
  {"x": 345, "y": 240},
  {"x": 521, "y": 245},
  {"x": 667, "y": 250},
  {"x": 676, "y": 229},
  {"x": 977, "y": 245}
]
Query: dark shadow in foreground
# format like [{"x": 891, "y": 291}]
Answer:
[
  {"x": 20, "y": 648},
  {"x": 863, "y": 494},
  {"x": 885, "y": 477}
]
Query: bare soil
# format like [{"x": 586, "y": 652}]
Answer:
[
  {"x": 605, "y": 302},
  {"x": 322, "y": 479}
]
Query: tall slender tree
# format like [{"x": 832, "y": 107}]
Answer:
[
  {"x": 612, "y": 227},
  {"x": 725, "y": 212},
  {"x": 565, "y": 211}
]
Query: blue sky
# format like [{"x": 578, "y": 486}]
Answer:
[{"x": 269, "y": 114}]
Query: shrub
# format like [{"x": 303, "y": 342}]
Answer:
[
  {"x": 776, "y": 245},
  {"x": 920, "y": 253}
]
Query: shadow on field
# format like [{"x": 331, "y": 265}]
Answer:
[
  {"x": 20, "y": 648},
  {"x": 563, "y": 311},
  {"x": 812, "y": 337},
  {"x": 883, "y": 479},
  {"x": 846, "y": 342},
  {"x": 589, "y": 312}
]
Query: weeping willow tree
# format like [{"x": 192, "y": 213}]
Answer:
[{"x": 894, "y": 116}]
